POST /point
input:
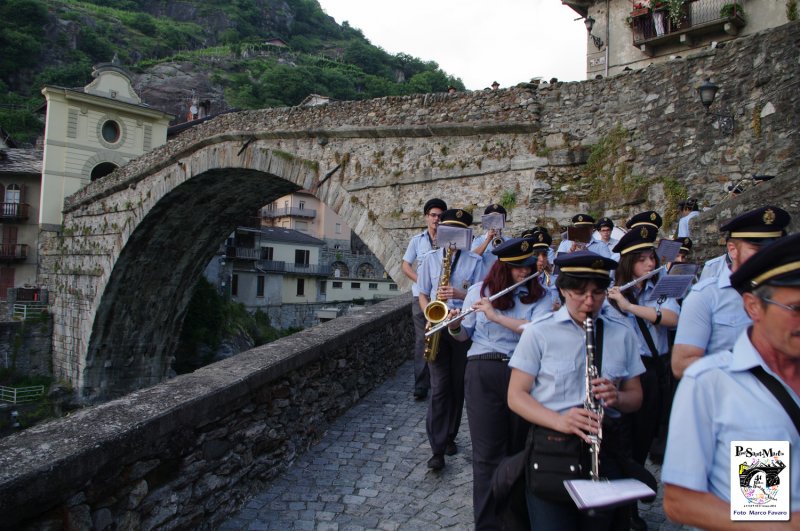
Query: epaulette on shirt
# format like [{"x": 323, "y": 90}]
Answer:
[
  {"x": 708, "y": 363},
  {"x": 703, "y": 284},
  {"x": 537, "y": 319},
  {"x": 609, "y": 313}
]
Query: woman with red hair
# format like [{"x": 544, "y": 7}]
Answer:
[{"x": 494, "y": 328}]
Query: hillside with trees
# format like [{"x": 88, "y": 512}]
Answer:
[{"x": 242, "y": 54}]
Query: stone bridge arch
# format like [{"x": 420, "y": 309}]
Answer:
[{"x": 134, "y": 242}]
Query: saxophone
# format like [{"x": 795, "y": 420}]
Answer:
[
  {"x": 591, "y": 403},
  {"x": 436, "y": 311}
]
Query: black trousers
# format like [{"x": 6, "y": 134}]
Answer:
[
  {"x": 446, "y": 403},
  {"x": 495, "y": 431},
  {"x": 422, "y": 377},
  {"x": 645, "y": 422}
]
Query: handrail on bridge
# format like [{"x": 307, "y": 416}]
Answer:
[{"x": 18, "y": 395}]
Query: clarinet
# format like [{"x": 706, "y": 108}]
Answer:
[{"x": 591, "y": 403}]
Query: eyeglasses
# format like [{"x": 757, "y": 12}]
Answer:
[
  {"x": 794, "y": 308},
  {"x": 433, "y": 215},
  {"x": 595, "y": 293}
]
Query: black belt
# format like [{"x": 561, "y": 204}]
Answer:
[{"x": 492, "y": 356}]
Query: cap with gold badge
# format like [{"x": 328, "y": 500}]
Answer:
[
  {"x": 585, "y": 264},
  {"x": 517, "y": 252},
  {"x": 649, "y": 218},
  {"x": 775, "y": 264},
  {"x": 686, "y": 244},
  {"x": 759, "y": 226},
  {"x": 579, "y": 220},
  {"x": 456, "y": 217},
  {"x": 637, "y": 239}
]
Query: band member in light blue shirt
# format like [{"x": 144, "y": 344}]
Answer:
[
  {"x": 713, "y": 314},
  {"x": 419, "y": 246},
  {"x": 495, "y": 327},
  {"x": 549, "y": 370},
  {"x": 447, "y": 369},
  {"x": 595, "y": 246},
  {"x": 724, "y": 397}
]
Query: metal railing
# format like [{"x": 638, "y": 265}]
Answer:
[
  {"x": 274, "y": 266},
  {"x": 17, "y": 395},
  {"x": 31, "y": 310},
  {"x": 13, "y": 251},
  {"x": 699, "y": 15},
  {"x": 14, "y": 210},
  {"x": 282, "y": 212}
]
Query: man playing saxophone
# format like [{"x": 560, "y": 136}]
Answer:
[{"x": 448, "y": 364}]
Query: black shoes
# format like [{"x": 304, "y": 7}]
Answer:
[
  {"x": 420, "y": 394},
  {"x": 451, "y": 448},
  {"x": 436, "y": 462}
]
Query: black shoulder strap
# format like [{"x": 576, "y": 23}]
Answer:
[
  {"x": 647, "y": 338},
  {"x": 780, "y": 392}
]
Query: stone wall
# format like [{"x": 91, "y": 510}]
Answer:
[
  {"x": 187, "y": 452},
  {"x": 26, "y": 346}
]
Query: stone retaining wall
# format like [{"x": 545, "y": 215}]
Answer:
[{"x": 184, "y": 453}]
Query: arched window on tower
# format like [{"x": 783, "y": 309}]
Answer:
[{"x": 103, "y": 169}]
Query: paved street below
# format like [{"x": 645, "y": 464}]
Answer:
[{"x": 369, "y": 471}]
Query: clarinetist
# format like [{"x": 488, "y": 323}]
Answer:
[
  {"x": 549, "y": 368},
  {"x": 495, "y": 328}
]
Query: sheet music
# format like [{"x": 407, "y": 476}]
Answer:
[
  {"x": 445, "y": 235},
  {"x": 588, "y": 494},
  {"x": 668, "y": 250},
  {"x": 495, "y": 220},
  {"x": 673, "y": 285}
]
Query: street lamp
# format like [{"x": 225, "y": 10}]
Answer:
[
  {"x": 725, "y": 121},
  {"x": 589, "y": 23}
]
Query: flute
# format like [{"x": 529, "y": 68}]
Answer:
[
  {"x": 500, "y": 293},
  {"x": 635, "y": 281}
]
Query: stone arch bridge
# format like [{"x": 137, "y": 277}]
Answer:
[{"x": 132, "y": 245}]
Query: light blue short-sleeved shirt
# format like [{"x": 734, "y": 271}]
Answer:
[
  {"x": 488, "y": 336},
  {"x": 488, "y": 256},
  {"x": 596, "y": 246},
  {"x": 718, "y": 401},
  {"x": 712, "y": 315},
  {"x": 659, "y": 334},
  {"x": 683, "y": 224},
  {"x": 553, "y": 350},
  {"x": 712, "y": 268},
  {"x": 419, "y": 246},
  {"x": 468, "y": 270}
]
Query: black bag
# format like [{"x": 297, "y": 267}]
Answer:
[{"x": 555, "y": 457}]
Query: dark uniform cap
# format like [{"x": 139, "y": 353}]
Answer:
[
  {"x": 642, "y": 237},
  {"x": 528, "y": 233},
  {"x": 516, "y": 252},
  {"x": 650, "y": 217},
  {"x": 604, "y": 222},
  {"x": 541, "y": 241},
  {"x": 585, "y": 264},
  {"x": 434, "y": 203},
  {"x": 686, "y": 243},
  {"x": 456, "y": 217},
  {"x": 495, "y": 208},
  {"x": 776, "y": 264},
  {"x": 582, "y": 219},
  {"x": 760, "y": 225}
]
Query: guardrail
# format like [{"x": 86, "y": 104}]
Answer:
[
  {"x": 29, "y": 310},
  {"x": 17, "y": 395}
]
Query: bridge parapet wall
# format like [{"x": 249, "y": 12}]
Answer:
[{"x": 186, "y": 452}]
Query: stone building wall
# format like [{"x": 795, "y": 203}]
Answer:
[
  {"x": 25, "y": 346},
  {"x": 185, "y": 453}
]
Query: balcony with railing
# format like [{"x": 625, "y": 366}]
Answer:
[
  {"x": 13, "y": 252},
  {"x": 274, "y": 266},
  {"x": 289, "y": 212},
  {"x": 14, "y": 211},
  {"x": 654, "y": 28}
]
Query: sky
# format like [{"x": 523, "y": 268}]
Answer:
[{"x": 479, "y": 41}]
